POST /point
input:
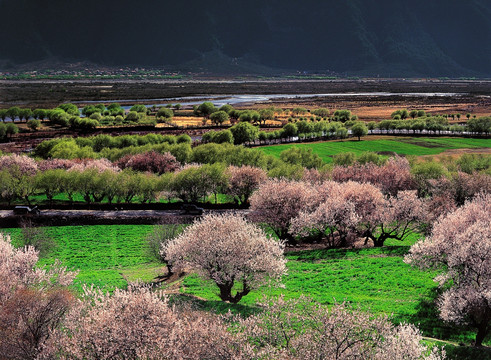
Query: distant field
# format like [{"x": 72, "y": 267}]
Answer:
[{"x": 398, "y": 145}]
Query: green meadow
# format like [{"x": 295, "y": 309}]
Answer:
[
  {"x": 107, "y": 256},
  {"x": 398, "y": 145}
]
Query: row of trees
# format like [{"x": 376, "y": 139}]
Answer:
[
  {"x": 402, "y": 114},
  {"x": 68, "y": 115},
  {"x": 244, "y": 132},
  {"x": 96, "y": 144},
  {"x": 100, "y": 180},
  {"x": 452, "y": 182}
]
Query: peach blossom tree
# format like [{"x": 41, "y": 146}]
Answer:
[
  {"x": 391, "y": 177},
  {"x": 243, "y": 181},
  {"x": 235, "y": 254},
  {"x": 395, "y": 218},
  {"x": 343, "y": 207},
  {"x": 303, "y": 329},
  {"x": 138, "y": 324},
  {"x": 278, "y": 201},
  {"x": 33, "y": 300},
  {"x": 460, "y": 245}
]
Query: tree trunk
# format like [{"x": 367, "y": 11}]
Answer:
[
  {"x": 226, "y": 292},
  {"x": 378, "y": 242},
  {"x": 482, "y": 331}
]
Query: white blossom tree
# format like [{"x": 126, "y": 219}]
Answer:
[
  {"x": 33, "y": 301},
  {"x": 243, "y": 181},
  {"x": 395, "y": 218},
  {"x": 139, "y": 324},
  {"x": 303, "y": 329},
  {"x": 460, "y": 245},
  {"x": 230, "y": 251},
  {"x": 277, "y": 202}
]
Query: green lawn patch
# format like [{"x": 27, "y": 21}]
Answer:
[
  {"x": 375, "y": 279},
  {"x": 107, "y": 256}
]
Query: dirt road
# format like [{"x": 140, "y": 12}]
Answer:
[{"x": 99, "y": 217}]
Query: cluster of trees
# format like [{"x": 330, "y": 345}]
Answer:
[
  {"x": 42, "y": 319},
  {"x": 68, "y": 115},
  {"x": 146, "y": 177},
  {"x": 449, "y": 182},
  {"x": 336, "y": 213},
  {"x": 101, "y": 145},
  {"x": 114, "y": 148},
  {"x": 7, "y": 130},
  {"x": 113, "y": 110},
  {"x": 225, "y": 113}
]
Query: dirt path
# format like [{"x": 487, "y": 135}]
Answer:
[{"x": 100, "y": 217}]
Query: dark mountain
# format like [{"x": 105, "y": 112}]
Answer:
[{"x": 386, "y": 37}]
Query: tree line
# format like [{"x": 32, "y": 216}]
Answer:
[{"x": 195, "y": 174}]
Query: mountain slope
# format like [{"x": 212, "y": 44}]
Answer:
[{"x": 386, "y": 37}]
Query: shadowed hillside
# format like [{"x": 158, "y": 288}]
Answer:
[{"x": 380, "y": 37}]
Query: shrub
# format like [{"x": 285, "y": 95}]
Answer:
[
  {"x": 33, "y": 124},
  {"x": 219, "y": 117},
  {"x": 301, "y": 156}
]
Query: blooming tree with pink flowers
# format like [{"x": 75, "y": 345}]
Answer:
[
  {"x": 235, "y": 254},
  {"x": 243, "y": 181},
  {"x": 460, "y": 245},
  {"x": 277, "y": 202}
]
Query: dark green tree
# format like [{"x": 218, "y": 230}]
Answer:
[
  {"x": 13, "y": 112},
  {"x": 219, "y": 117},
  {"x": 244, "y": 132},
  {"x": 290, "y": 130},
  {"x": 342, "y": 115},
  {"x": 205, "y": 109},
  {"x": 165, "y": 114},
  {"x": 359, "y": 129}
]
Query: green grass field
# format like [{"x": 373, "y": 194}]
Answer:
[
  {"x": 374, "y": 279},
  {"x": 399, "y": 145},
  {"x": 107, "y": 256}
]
